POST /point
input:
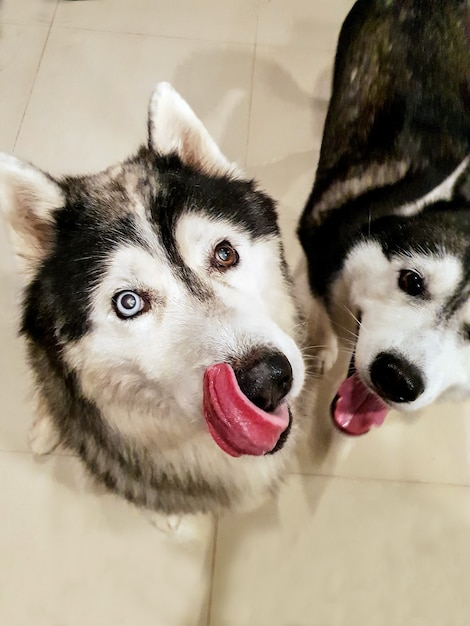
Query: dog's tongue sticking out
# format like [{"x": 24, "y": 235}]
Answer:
[
  {"x": 236, "y": 424},
  {"x": 356, "y": 409}
]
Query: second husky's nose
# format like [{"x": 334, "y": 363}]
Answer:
[
  {"x": 265, "y": 377},
  {"x": 395, "y": 378}
]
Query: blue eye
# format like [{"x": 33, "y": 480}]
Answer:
[{"x": 129, "y": 304}]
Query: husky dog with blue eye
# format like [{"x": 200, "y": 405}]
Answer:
[
  {"x": 159, "y": 320},
  {"x": 386, "y": 230}
]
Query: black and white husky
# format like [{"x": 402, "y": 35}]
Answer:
[
  {"x": 159, "y": 320},
  {"x": 386, "y": 230}
]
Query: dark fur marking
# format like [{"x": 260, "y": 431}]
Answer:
[
  {"x": 400, "y": 96},
  {"x": 184, "y": 189},
  {"x": 56, "y": 303}
]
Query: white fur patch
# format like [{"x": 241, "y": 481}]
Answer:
[{"x": 392, "y": 321}]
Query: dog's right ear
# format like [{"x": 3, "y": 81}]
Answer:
[
  {"x": 174, "y": 128},
  {"x": 28, "y": 200}
]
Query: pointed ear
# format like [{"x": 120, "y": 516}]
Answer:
[
  {"x": 174, "y": 128},
  {"x": 461, "y": 190},
  {"x": 28, "y": 200}
]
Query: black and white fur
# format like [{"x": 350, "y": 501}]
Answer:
[
  {"x": 126, "y": 394},
  {"x": 386, "y": 230}
]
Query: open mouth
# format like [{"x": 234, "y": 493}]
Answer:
[
  {"x": 237, "y": 425},
  {"x": 355, "y": 408}
]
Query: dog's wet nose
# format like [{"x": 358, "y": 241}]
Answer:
[
  {"x": 265, "y": 377},
  {"x": 395, "y": 378}
]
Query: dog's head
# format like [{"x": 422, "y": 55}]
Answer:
[
  {"x": 408, "y": 284},
  {"x": 159, "y": 286}
]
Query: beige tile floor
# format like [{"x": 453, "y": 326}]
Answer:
[{"x": 365, "y": 533}]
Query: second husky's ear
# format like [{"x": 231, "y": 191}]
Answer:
[
  {"x": 174, "y": 128},
  {"x": 28, "y": 200},
  {"x": 461, "y": 191}
]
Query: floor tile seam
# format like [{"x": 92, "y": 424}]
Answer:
[
  {"x": 7, "y": 22},
  {"x": 41, "y": 56},
  {"x": 65, "y": 27},
  {"x": 328, "y": 49},
  {"x": 67, "y": 455},
  {"x": 252, "y": 84},
  {"x": 210, "y": 596},
  {"x": 378, "y": 479},
  {"x": 305, "y": 474}
]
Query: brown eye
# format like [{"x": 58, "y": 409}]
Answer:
[
  {"x": 225, "y": 256},
  {"x": 411, "y": 283}
]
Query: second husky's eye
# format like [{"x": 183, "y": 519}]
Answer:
[
  {"x": 411, "y": 282},
  {"x": 129, "y": 304},
  {"x": 225, "y": 256}
]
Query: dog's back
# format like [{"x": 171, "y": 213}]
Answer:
[
  {"x": 388, "y": 213},
  {"x": 401, "y": 99}
]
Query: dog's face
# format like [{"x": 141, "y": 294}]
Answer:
[
  {"x": 408, "y": 284},
  {"x": 160, "y": 285}
]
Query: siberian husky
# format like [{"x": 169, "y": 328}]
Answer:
[
  {"x": 386, "y": 230},
  {"x": 159, "y": 320}
]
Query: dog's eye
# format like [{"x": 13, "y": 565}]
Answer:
[
  {"x": 129, "y": 304},
  {"x": 225, "y": 256},
  {"x": 411, "y": 282}
]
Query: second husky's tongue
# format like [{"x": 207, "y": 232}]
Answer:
[
  {"x": 356, "y": 409},
  {"x": 236, "y": 424}
]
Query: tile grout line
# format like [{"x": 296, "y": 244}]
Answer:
[
  {"x": 57, "y": 455},
  {"x": 36, "y": 75},
  {"x": 136, "y": 33},
  {"x": 212, "y": 577},
  {"x": 398, "y": 481},
  {"x": 252, "y": 83}
]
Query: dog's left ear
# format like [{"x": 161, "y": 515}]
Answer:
[
  {"x": 174, "y": 128},
  {"x": 29, "y": 199}
]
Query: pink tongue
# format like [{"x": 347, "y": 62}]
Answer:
[
  {"x": 356, "y": 408},
  {"x": 236, "y": 424}
]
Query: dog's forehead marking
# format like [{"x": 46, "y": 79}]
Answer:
[
  {"x": 356, "y": 184},
  {"x": 122, "y": 189},
  {"x": 444, "y": 191}
]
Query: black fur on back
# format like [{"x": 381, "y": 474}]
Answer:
[{"x": 398, "y": 121}]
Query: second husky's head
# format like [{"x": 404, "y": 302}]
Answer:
[
  {"x": 158, "y": 287},
  {"x": 407, "y": 282}
]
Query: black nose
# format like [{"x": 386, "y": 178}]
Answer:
[
  {"x": 265, "y": 377},
  {"x": 395, "y": 378}
]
